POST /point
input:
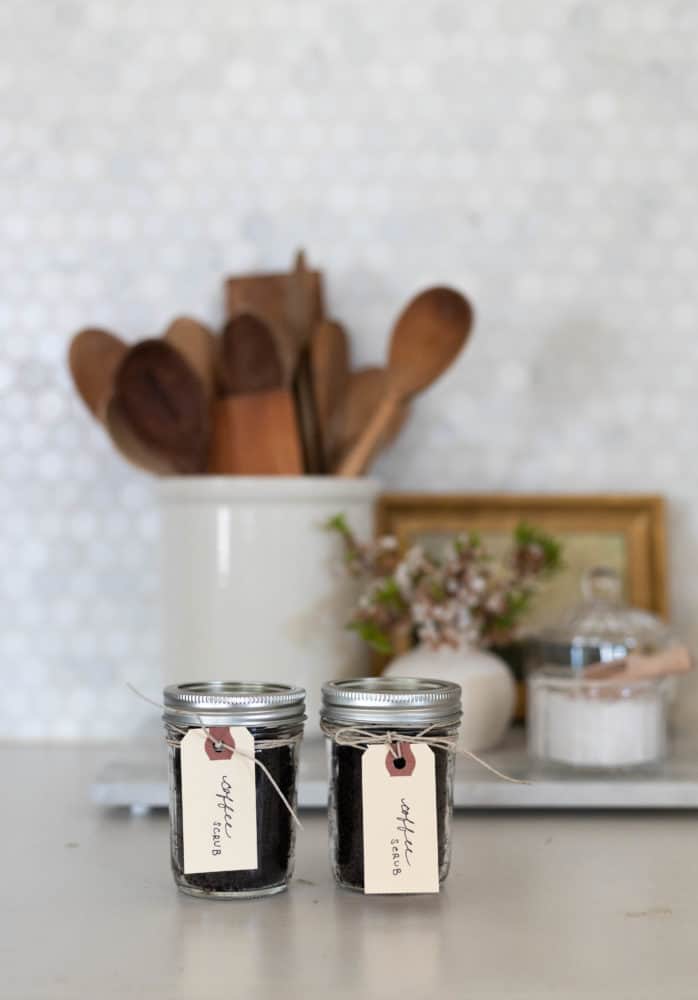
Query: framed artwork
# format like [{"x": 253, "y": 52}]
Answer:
[{"x": 623, "y": 532}]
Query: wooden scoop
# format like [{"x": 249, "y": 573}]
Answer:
[
  {"x": 329, "y": 365},
  {"x": 197, "y": 345},
  {"x": 161, "y": 399},
  {"x": 426, "y": 339},
  {"x": 364, "y": 391},
  {"x": 638, "y": 667},
  {"x": 93, "y": 359},
  {"x": 255, "y": 432}
]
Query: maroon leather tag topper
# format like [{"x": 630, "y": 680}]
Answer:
[
  {"x": 219, "y": 734},
  {"x": 404, "y": 764}
]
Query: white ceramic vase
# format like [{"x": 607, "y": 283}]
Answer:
[
  {"x": 253, "y": 587},
  {"x": 487, "y": 683}
]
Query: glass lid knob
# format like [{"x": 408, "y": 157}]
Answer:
[{"x": 601, "y": 583}]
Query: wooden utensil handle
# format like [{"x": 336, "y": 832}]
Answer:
[
  {"x": 365, "y": 448},
  {"x": 675, "y": 660},
  {"x": 636, "y": 666},
  {"x": 308, "y": 424},
  {"x": 255, "y": 435}
]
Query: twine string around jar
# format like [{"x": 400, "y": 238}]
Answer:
[
  {"x": 221, "y": 745},
  {"x": 351, "y": 736}
]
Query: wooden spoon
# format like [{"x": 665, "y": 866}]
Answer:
[
  {"x": 364, "y": 391},
  {"x": 133, "y": 448},
  {"x": 426, "y": 339},
  {"x": 255, "y": 431},
  {"x": 197, "y": 345},
  {"x": 249, "y": 359},
  {"x": 329, "y": 366},
  {"x": 163, "y": 401},
  {"x": 93, "y": 359}
]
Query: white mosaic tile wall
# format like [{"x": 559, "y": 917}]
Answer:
[{"x": 540, "y": 154}]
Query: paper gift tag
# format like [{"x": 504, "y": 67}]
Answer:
[
  {"x": 399, "y": 807},
  {"x": 219, "y": 802}
]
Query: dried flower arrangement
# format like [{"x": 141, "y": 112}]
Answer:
[{"x": 464, "y": 595}]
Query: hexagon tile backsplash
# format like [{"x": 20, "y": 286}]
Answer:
[{"x": 539, "y": 154}]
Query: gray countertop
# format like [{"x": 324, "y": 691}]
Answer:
[{"x": 538, "y": 905}]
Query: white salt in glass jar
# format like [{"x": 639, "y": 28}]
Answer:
[{"x": 600, "y": 724}]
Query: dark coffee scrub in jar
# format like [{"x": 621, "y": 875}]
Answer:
[
  {"x": 391, "y": 749},
  {"x": 232, "y": 830}
]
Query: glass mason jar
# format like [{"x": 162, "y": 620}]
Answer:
[
  {"x": 603, "y": 725},
  {"x": 378, "y": 706},
  {"x": 274, "y": 715}
]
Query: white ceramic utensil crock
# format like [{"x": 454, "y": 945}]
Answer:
[{"x": 253, "y": 585}]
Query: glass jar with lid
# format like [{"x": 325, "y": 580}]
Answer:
[
  {"x": 611, "y": 722},
  {"x": 233, "y": 761},
  {"x": 364, "y": 714},
  {"x": 594, "y": 724}
]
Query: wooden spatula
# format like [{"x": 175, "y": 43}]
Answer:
[
  {"x": 364, "y": 391},
  {"x": 255, "y": 431},
  {"x": 159, "y": 396},
  {"x": 302, "y": 318},
  {"x": 329, "y": 365},
  {"x": 266, "y": 296},
  {"x": 292, "y": 305},
  {"x": 426, "y": 339}
]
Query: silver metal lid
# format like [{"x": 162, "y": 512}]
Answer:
[
  {"x": 391, "y": 701},
  {"x": 234, "y": 703}
]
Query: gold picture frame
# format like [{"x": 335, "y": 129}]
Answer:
[{"x": 626, "y": 532}]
